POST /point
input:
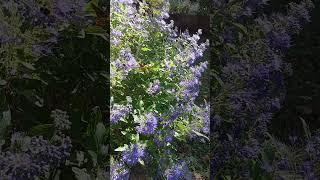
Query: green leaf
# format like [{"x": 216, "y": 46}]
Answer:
[
  {"x": 141, "y": 103},
  {"x": 120, "y": 149},
  {"x": 39, "y": 101},
  {"x": 105, "y": 75},
  {"x": 88, "y": 7},
  {"x": 305, "y": 128},
  {"x": 28, "y": 65},
  {"x": 82, "y": 34},
  {"x": 3, "y": 82},
  {"x": 100, "y": 132},
  {"x": 98, "y": 31},
  {"x": 217, "y": 78},
  {"x": 57, "y": 175},
  {"x": 94, "y": 157},
  {"x": 81, "y": 174},
  {"x": 5, "y": 121},
  {"x": 145, "y": 49},
  {"x": 241, "y": 27},
  {"x": 80, "y": 157},
  {"x": 6, "y": 116},
  {"x": 201, "y": 135},
  {"x": 141, "y": 161}
]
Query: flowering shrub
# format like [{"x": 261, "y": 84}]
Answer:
[
  {"x": 155, "y": 79},
  {"x": 250, "y": 46},
  {"x": 31, "y": 157},
  {"x": 63, "y": 117}
]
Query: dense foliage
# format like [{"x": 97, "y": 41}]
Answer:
[
  {"x": 111, "y": 90},
  {"x": 54, "y": 89},
  {"x": 249, "y": 47},
  {"x": 155, "y": 79}
]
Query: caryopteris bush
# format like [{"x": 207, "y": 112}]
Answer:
[{"x": 155, "y": 80}]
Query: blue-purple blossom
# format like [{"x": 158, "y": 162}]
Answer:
[
  {"x": 5, "y": 37},
  {"x": 125, "y": 1},
  {"x": 279, "y": 40},
  {"x": 163, "y": 137},
  {"x": 36, "y": 159},
  {"x": 253, "y": 88},
  {"x": 229, "y": 35},
  {"x": 20, "y": 166},
  {"x": 64, "y": 10},
  {"x": 119, "y": 171},
  {"x": 148, "y": 124},
  {"x": 154, "y": 87},
  {"x": 118, "y": 112},
  {"x": 313, "y": 147},
  {"x": 199, "y": 70},
  {"x": 299, "y": 13},
  {"x": 305, "y": 170},
  {"x": 283, "y": 164},
  {"x": 178, "y": 171},
  {"x": 115, "y": 36},
  {"x": 190, "y": 88},
  {"x": 126, "y": 62},
  {"x": 132, "y": 155}
]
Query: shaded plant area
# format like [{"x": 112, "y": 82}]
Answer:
[
  {"x": 73, "y": 79},
  {"x": 54, "y": 89},
  {"x": 303, "y": 86},
  {"x": 250, "y": 41}
]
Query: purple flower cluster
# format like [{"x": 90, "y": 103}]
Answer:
[
  {"x": 178, "y": 171},
  {"x": 132, "y": 155},
  {"x": 115, "y": 36},
  {"x": 154, "y": 87},
  {"x": 34, "y": 161},
  {"x": 118, "y": 112},
  {"x": 5, "y": 36},
  {"x": 148, "y": 125},
  {"x": 119, "y": 171},
  {"x": 124, "y": 64},
  {"x": 313, "y": 147},
  {"x": 163, "y": 137},
  {"x": 34, "y": 157},
  {"x": 42, "y": 22},
  {"x": 190, "y": 88},
  {"x": 279, "y": 28},
  {"x": 253, "y": 88},
  {"x": 64, "y": 10},
  {"x": 129, "y": 61},
  {"x": 305, "y": 170}
]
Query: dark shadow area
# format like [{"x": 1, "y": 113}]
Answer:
[{"x": 303, "y": 87}]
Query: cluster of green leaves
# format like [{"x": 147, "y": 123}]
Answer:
[{"x": 152, "y": 49}]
